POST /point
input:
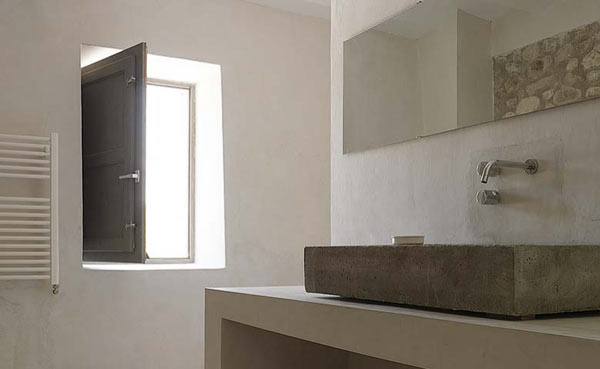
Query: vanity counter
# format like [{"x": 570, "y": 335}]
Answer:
[{"x": 413, "y": 337}]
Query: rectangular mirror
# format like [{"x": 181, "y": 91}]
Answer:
[{"x": 448, "y": 64}]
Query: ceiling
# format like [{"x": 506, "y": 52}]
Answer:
[{"x": 314, "y": 8}]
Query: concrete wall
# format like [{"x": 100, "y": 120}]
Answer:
[
  {"x": 428, "y": 186},
  {"x": 382, "y": 90},
  {"x": 276, "y": 112}
]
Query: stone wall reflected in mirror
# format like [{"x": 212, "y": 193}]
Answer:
[
  {"x": 448, "y": 64},
  {"x": 558, "y": 70}
]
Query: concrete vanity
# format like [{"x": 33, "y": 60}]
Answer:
[
  {"x": 513, "y": 281},
  {"x": 285, "y": 327}
]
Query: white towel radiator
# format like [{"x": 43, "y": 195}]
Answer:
[{"x": 29, "y": 225}]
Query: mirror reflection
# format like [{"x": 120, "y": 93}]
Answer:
[{"x": 448, "y": 64}]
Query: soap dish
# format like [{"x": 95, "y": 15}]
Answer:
[{"x": 408, "y": 240}]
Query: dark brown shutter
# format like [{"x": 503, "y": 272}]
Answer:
[{"x": 113, "y": 109}]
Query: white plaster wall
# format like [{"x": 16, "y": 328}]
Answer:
[
  {"x": 315, "y": 8},
  {"x": 276, "y": 110},
  {"x": 382, "y": 90},
  {"x": 428, "y": 186}
]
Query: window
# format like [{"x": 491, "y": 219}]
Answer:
[
  {"x": 169, "y": 177},
  {"x": 150, "y": 156}
]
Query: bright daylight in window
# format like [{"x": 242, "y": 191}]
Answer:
[{"x": 167, "y": 171}]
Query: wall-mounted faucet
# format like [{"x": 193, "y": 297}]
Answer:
[{"x": 492, "y": 167}]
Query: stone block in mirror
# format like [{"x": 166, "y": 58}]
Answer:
[{"x": 447, "y": 64}]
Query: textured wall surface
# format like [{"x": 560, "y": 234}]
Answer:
[
  {"x": 558, "y": 70},
  {"x": 428, "y": 186},
  {"x": 276, "y": 111}
]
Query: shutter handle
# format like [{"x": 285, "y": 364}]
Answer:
[
  {"x": 135, "y": 175},
  {"x": 129, "y": 226}
]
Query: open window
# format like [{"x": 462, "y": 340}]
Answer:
[
  {"x": 169, "y": 173},
  {"x": 152, "y": 159}
]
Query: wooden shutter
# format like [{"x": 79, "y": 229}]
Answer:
[{"x": 113, "y": 109}]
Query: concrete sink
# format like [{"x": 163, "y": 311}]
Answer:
[{"x": 512, "y": 281}]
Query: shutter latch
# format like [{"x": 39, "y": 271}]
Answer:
[
  {"x": 131, "y": 80},
  {"x": 135, "y": 175},
  {"x": 129, "y": 226}
]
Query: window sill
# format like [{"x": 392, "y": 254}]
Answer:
[{"x": 145, "y": 267}]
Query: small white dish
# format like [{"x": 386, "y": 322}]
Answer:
[{"x": 408, "y": 240}]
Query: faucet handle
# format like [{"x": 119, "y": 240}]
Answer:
[
  {"x": 488, "y": 197},
  {"x": 494, "y": 171}
]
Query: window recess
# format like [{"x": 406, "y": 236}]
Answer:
[{"x": 152, "y": 161}]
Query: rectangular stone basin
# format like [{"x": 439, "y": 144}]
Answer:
[{"x": 514, "y": 281}]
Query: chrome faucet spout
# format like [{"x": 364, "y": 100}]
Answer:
[
  {"x": 486, "y": 170},
  {"x": 530, "y": 166}
]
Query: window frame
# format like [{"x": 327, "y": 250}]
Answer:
[{"x": 191, "y": 173}]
